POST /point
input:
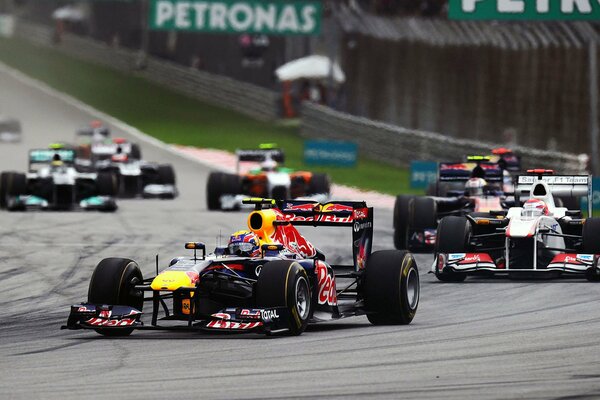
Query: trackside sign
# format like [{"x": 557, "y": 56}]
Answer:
[
  {"x": 524, "y": 9},
  {"x": 271, "y": 17}
]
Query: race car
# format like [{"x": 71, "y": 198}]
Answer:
[
  {"x": 269, "y": 279},
  {"x": 476, "y": 188},
  {"x": 94, "y": 142},
  {"x": 536, "y": 239},
  {"x": 226, "y": 191},
  {"x": 136, "y": 177},
  {"x": 53, "y": 183},
  {"x": 10, "y": 130}
]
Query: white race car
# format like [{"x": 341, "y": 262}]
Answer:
[{"x": 538, "y": 238}]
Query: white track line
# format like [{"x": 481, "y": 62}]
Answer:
[{"x": 211, "y": 158}]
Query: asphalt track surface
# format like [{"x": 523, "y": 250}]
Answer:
[{"x": 481, "y": 339}]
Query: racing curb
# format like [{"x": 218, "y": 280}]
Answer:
[{"x": 210, "y": 158}]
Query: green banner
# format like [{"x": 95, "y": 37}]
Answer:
[
  {"x": 272, "y": 17},
  {"x": 524, "y": 9}
]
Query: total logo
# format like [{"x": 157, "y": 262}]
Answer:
[{"x": 268, "y": 315}]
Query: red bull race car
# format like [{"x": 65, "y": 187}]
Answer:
[
  {"x": 538, "y": 238},
  {"x": 269, "y": 279}
]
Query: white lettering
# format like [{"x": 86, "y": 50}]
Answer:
[
  {"x": 182, "y": 15},
  {"x": 542, "y": 6},
  {"x": 264, "y": 18},
  {"x": 218, "y": 12},
  {"x": 288, "y": 20},
  {"x": 511, "y": 6},
  {"x": 568, "y": 6},
  {"x": 308, "y": 14},
  {"x": 165, "y": 11},
  {"x": 200, "y": 9},
  {"x": 243, "y": 10},
  {"x": 469, "y": 5}
]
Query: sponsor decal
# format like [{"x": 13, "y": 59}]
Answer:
[
  {"x": 194, "y": 276},
  {"x": 361, "y": 213},
  {"x": 225, "y": 324},
  {"x": 291, "y": 239},
  {"x": 246, "y": 313},
  {"x": 456, "y": 256},
  {"x": 359, "y": 226},
  {"x": 567, "y": 259},
  {"x": 417, "y": 237},
  {"x": 105, "y": 314},
  {"x": 326, "y": 285},
  {"x": 585, "y": 257},
  {"x": 85, "y": 309},
  {"x": 258, "y": 269},
  {"x": 110, "y": 322},
  {"x": 269, "y": 315}
]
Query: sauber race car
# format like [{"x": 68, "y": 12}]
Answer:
[
  {"x": 477, "y": 191},
  {"x": 269, "y": 279},
  {"x": 226, "y": 191},
  {"x": 53, "y": 183},
  {"x": 98, "y": 152},
  {"x": 535, "y": 239}
]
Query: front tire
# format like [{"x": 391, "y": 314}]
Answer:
[
  {"x": 285, "y": 284},
  {"x": 591, "y": 236},
  {"x": 319, "y": 184},
  {"x": 113, "y": 283},
  {"x": 220, "y": 184},
  {"x": 401, "y": 213},
  {"x": 391, "y": 287},
  {"x": 166, "y": 174},
  {"x": 453, "y": 236}
]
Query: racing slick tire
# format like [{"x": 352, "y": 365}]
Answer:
[
  {"x": 107, "y": 184},
  {"x": 218, "y": 184},
  {"x": 166, "y": 174},
  {"x": 422, "y": 213},
  {"x": 391, "y": 287},
  {"x": 453, "y": 236},
  {"x": 319, "y": 184},
  {"x": 401, "y": 221},
  {"x": 113, "y": 283},
  {"x": 285, "y": 284},
  {"x": 591, "y": 236},
  {"x": 135, "y": 153},
  {"x": 11, "y": 184}
]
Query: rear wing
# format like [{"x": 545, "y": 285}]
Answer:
[
  {"x": 575, "y": 186},
  {"x": 259, "y": 155},
  {"x": 353, "y": 214},
  {"x": 46, "y": 156},
  {"x": 463, "y": 171}
]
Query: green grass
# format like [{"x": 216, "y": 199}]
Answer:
[{"x": 175, "y": 118}]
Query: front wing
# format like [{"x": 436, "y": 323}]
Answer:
[{"x": 31, "y": 202}]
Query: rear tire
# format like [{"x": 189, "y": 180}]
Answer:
[
  {"x": 11, "y": 185},
  {"x": 3, "y": 189},
  {"x": 166, "y": 174},
  {"x": 319, "y": 184},
  {"x": 401, "y": 213},
  {"x": 422, "y": 213},
  {"x": 285, "y": 284},
  {"x": 112, "y": 284},
  {"x": 220, "y": 184},
  {"x": 391, "y": 288},
  {"x": 135, "y": 153}
]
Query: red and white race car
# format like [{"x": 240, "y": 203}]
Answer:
[{"x": 536, "y": 238}]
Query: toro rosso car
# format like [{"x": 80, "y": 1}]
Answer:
[
  {"x": 537, "y": 238},
  {"x": 287, "y": 285},
  {"x": 53, "y": 183},
  {"x": 226, "y": 191},
  {"x": 478, "y": 190}
]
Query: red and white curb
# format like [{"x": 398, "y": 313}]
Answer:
[{"x": 226, "y": 161}]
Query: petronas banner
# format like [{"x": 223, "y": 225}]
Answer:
[{"x": 272, "y": 17}]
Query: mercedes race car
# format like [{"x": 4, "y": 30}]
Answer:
[
  {"x": 226, "y": 191},
  {"x": 476, "y": 189},
  {"x": 539, "y": 238},
  {"x": 10, "y": 130},
  {"x": 269, "y": 279},
  {"x": 98, "y": 152},
  {"x": 53, "y": 183}
]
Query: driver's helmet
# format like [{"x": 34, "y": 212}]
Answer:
[
  {"x": 268, "y": 165},
  {"x": 56, "y": 161},
  {"x": 244, "y": 243},
  {"x": 534, "y": 208},
  {"x": 474, "y": 187}
]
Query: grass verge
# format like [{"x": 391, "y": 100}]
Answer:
[{"x": 175, "y": 118}]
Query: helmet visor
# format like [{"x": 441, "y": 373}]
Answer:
[{"x": 240, "y": 248}]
